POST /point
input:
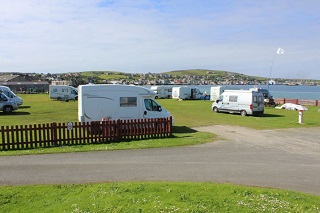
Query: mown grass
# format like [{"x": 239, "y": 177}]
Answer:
[
  {"x": 153, "y": 197},
  {"x": 38, "y": 108}
]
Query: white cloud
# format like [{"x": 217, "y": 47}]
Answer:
[{"x": 156, "y": 36}]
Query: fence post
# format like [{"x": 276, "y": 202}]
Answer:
[
  {"x": 54, "y": 133},
  {"x": 317, "y": 102},
  {"x": 3, "y": 138},
  {"x": 170, "y": 126},
  {"x": 119, "y": 130}
]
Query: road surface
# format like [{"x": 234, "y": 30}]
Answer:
[{"x": 286, "y": 159}]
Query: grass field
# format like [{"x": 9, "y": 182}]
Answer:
[
  {"x": 153, "y": 196},
  {"x": 38, "y": 108}
]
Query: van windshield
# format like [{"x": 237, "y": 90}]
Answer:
[
  {"x": 151, "y": 105},
  {"x": 10, "y": 94}
]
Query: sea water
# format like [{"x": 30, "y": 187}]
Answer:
[{"x": 278, "y": 91}]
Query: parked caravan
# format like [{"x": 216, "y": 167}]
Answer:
[
  {"x": 7, "y": 105},
  {"x": 111, "y": 102},
  {"x": 216, "y": 91},
  {"x": 10, "y": 94},
  {"x": 245, "y": 102},
  {"x": 63, "y": 92},
  {"x": 186, "y": 92},
  {"x": 162, "y": 91}
]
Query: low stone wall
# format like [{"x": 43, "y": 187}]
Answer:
[{"x": 297, "y": 101}]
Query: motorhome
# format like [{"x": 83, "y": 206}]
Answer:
[
  {"x": 216, "y": 91},
  {"x": 186, "y": 92},
  {"x": 63, "y": 92},
  {"x": 10, "y": 94},
  {"x": 268, "y": 98},
  {"x": 245, "y": 102},
  {"x": 7, "y": 105},
  {"x": 111, "y": 102},
  {"x": 162, "y": 91}
]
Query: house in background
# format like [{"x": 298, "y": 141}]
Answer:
[{"x": 20, "y": 84}]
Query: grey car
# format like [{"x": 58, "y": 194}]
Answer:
[{"x": 6, "y": 104}]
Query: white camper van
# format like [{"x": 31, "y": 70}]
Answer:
[
  {"x": 162, "y": 91},
  {"x": 106, "y": 101},
  {"x": 186, "y": 92},
  {"x": 245, "y": 102},
  {"x": 63, "y": 92},
  {"x": 10, "y": 94},
  {"x": 216, "y": 91}
]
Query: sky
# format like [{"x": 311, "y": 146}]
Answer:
[{"x": 142, "y": 36}]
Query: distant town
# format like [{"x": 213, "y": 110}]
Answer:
[{"x": 40, "y": 82}]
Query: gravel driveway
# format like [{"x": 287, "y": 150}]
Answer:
[{"x": 287, "y": 159}]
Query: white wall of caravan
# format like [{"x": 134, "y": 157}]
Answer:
[{"x": 97, "y": 102}]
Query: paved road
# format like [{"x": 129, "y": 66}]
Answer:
[{"x": 287, "y": 159}]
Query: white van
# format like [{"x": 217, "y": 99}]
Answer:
[
  {"x": 111, "y": 102},
  {"x": 10, "y": 94},
  {"x": 162, "y": 91},
  {"x": 7, "y": 105},
  {"x": 186, "y": 92},
  {"x": 245, "y": 102},
  {"x": 63, "y": 92}
]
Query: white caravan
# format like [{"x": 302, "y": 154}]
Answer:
[
  {"x": 162, "y": 91},
  {"x": 10, "y": 94},
  {"x": 186, "y": 92},
  {"x": 216, "y": 91},
  {"x": 111, "y": 102},
  {"x": 63, "y": 92},
  {"x": 245, "y": 102}
]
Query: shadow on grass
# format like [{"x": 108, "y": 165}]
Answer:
[
  {"x": 182, "y": 129},
  {"x": 24, "y": 107},
  {"x": 271, "y": 116},
  {"x": 15, "y": 113}
]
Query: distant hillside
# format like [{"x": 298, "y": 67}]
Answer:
[{"x": 211, "y": 73}]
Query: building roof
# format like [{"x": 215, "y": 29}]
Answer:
[
  {"x": 6, "y": 78},
  {"x": 25, "y": 83}
]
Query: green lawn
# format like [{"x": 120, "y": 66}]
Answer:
[
  {"x": 153, "y": 196},
  {"x": 38, "y": 108}
]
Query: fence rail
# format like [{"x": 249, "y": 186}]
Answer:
[
  {"x": 296, "y": 101},
  {"x": 77, "y": 133}
]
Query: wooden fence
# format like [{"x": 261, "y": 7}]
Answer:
[
  {"x": 297, "y": 101},
  {"x": 62, "y": 134}
]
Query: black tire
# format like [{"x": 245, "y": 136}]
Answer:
[
  {"x": 243, "y": 113},
  {"x": 59, "y": 99},
  {"x": 215, "y": 109},
  {"x": 7, "y": 109}
]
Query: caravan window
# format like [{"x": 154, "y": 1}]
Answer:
[
  {"x": 55, "y": 90},
  {"x": 128, "y": 101},
  {"x": 64, "y": 90},
  {"x": 233, "y": 98}
]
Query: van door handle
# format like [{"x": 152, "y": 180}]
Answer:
[{"x": 145, "y": 113}]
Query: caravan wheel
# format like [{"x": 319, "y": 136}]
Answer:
[
  {"x": 215, "y": 109},
  {"x": 243, "y": 113}
]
